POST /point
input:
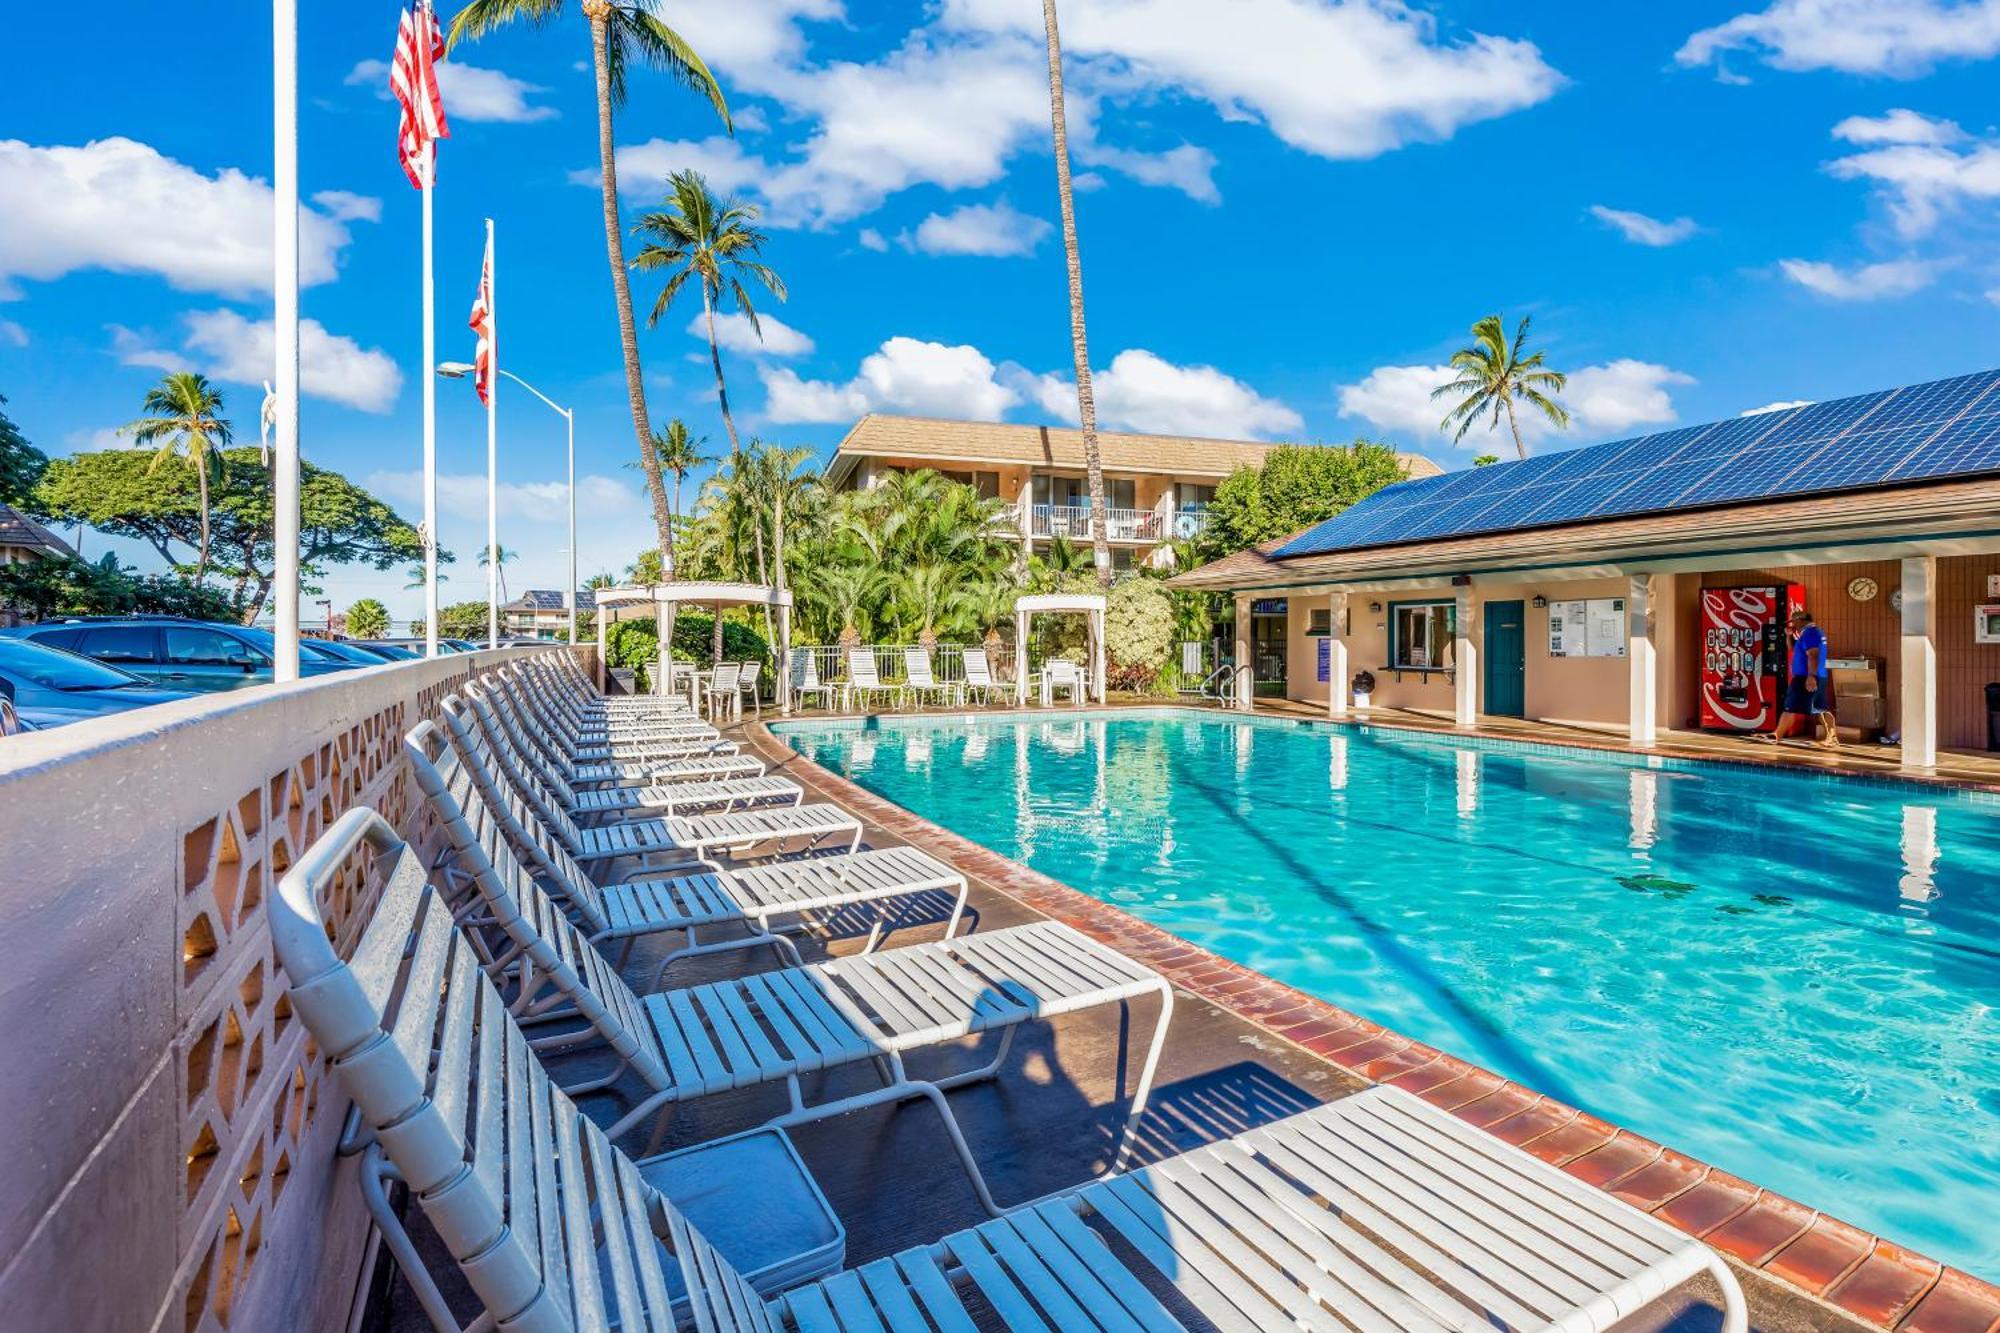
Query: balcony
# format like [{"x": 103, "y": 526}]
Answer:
[{"x": 1121, "y": 525}]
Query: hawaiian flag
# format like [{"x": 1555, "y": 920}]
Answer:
[
  {"x": 481, "y": 323},
  {"x": 413, "y": 81}
]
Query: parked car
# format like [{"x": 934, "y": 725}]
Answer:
[
  {"x": 416, "y": 646},
  {"x": 47, "y": 687},
  {"x": 347, "y": 650},
  {"x": 10, "y": 721},
  {"x": 382, "y": 649},
  {"x": 202, "y": 655}
]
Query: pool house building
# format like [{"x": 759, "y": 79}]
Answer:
[{"x": 1641, "y": 585}]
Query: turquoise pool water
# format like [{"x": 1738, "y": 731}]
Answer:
[{"x": 1794, "y": 978}]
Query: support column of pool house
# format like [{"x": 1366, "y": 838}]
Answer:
[
  {"x": 1465, "y": 659},
  {"x": 1336, "y": 655},
  {"x": 1641, "y": 654},
  {"x": 1919, "y": 662},
  {"x": 1245, "y": 679}
]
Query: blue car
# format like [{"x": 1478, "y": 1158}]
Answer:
[
  {"x": 50, "y": 687},
  {"x": 201, "y": 655}
]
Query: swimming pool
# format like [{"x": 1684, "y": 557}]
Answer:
[{"x": 1793, "y": 977}]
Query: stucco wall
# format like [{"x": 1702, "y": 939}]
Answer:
[{"x": 170, "y": 1128}]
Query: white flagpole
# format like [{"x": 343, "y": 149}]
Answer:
[
  {"x": 285, "y": 287},
  {"x": 430, "y": 418},
  {"x": 492, "y": 453}
]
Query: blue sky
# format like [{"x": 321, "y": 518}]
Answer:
[{"x": 1290, "y": 211}]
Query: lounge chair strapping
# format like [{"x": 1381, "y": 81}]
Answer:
[
  {"x": 864, "y": 679},
  {"x": 979, "y": 677},
  {"x": 530, "y": 737},
  {"x": 1377, "y": 1211},
  {"x": 917, "y": 671},
  {"x": 492, "y": 829},
  {"x": 805, "y": 680},
  {"x": 871, "y": 1008}
]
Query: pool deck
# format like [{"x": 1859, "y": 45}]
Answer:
[{"x": 1821, "y": 1273}]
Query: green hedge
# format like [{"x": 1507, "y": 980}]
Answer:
[{"x": 636, "y": 643}]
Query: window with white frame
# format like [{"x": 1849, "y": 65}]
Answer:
[{"x": 1421, "y": 634}]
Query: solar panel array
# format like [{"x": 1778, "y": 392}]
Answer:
[{"x": 1922, "y": 432}]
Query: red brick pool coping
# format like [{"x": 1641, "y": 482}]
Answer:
[{"x": 1868, "y": 1277}]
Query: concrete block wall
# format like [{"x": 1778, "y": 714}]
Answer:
[{"x": 170, "y": 1127}]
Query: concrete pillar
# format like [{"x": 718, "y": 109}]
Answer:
[
  {"x": 1021, "y": 657},
  {"x": 784, "y": 661},
  {"x": 1246, "y": 675},
  {"x": 1336, "y": 655},
  {"x": 1097, "y": 654},
  {"x": 1025, "y": 512},
  {"x": 1919, "y": 661},
  {"x": 1465, "y": 660},
  {"x": 1642, "y": 656}
]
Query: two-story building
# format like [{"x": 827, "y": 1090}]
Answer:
[
  {"x": 1156, "y": 487},
  {"x": 541, "y": 613}
]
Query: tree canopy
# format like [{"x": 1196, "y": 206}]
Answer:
[
  {"x": 117, "y": 491},
  {"x": 68, "y": 586},
  {"x": 1299, "y": 485},
  {"x": 368, "y": 619},
  {"x": 21, "y": 464}
]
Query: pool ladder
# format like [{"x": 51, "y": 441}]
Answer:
[{"x": 1219, "y": 685}]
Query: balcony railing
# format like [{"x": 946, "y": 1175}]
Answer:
[{"x": 1120, "y": 525}]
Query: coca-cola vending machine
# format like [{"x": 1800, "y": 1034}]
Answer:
[{"x": 1743, "y": 654}]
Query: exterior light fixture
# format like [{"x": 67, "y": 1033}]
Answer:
[{"x": 1541, "y": 602}]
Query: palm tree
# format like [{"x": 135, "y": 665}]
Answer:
[
  {"x": 1492, "y": 373},
  {"x": 596, "y": 581},
  {"x": 1086, "y": 401},
  {"x": 679, "y": 452},
  {"x": 841, "y": 592},
  {"x": 620, "y": 32},
  {"x": 184, "y": 417},
  {"x": 505, "y": 556},
  {"x": 928, "y": 592}
]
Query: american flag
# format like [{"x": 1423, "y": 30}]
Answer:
[
  {"x": 413, "y": 81},
  {"x": 481, "y": 323}
]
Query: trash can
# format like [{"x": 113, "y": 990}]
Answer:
[{"x": 1993, "y": 715}]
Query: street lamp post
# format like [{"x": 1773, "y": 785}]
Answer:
[{"x": 454, "y": 370}]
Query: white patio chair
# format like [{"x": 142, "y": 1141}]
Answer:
[
  {"x": 863, "y": 678},
  {"x": 720, "y": 699},
  {"x": 746, "y": 684},
  {"x": 919, "y": 679},
  {"x": 1374, "y": 1211},
  {"x": 979, "y": 678},
  {"x": 493, "y": 830},
  {"x": 805, "y": 679},
  {"x": 1060, "y": 674}
]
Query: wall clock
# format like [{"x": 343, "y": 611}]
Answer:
[{"x": 1863, "y": 589}]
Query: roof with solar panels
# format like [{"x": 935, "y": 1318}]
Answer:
[{"x": 1894, "y": 439}]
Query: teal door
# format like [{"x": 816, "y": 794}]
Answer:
[{"x": 1505, "y": 655}]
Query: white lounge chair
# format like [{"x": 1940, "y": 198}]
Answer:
[
  {"x": 746, "y": 685},
  {"x": 572, "y": 747},
  {"x": 917, "y": 672},
  {"x": 493, "y": 831},
  {"x": 864, "y": 679},
  {"x": 772, "y": 1027},
  {"x": 979, "y": 678},
  {"x": 805, "y": 680},
  {"x": 529, "y": 738},
  {"x": 1059, "y": 674},
  {"x": 1377, "y": 1211}
]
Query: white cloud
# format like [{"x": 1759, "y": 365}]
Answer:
[
  {"x": 872, "y": 240},
  {"x": 1783, "y": 406},
  {"x": 1901, "y": 125},
  {"x": 993, "y": 230},
  {"x": 1603, "y": 400},
  {"x": 1643, "y": 230},
  {"x": 1897, "y": 38},
  {"x": 463, "y": 495},
  {"x": 643, "y": 168},
  {"x": 96, "y": 441},
  {"x": 12, "y": 334},
  {"x": 749, "y": 120},
  {"x": 904, "y": 375},
  {"x": 1189, "y": 169},
  {"x": 470, "y": 92},
  {"x": 120, "y": 205},
  {"x": 1993, "y": 295},
  {"x": 346, "y": 206},
  {"x": 734, "y": 333},
  {"x": 1144, "y": 392},
  {"x": 1868, "y": 282},
  {"x": 228, "y": 346},
  {"x": 1922, "y": 179},
  {"x": 1339, "y": 78}
]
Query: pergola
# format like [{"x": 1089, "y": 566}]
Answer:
[
  {"x": 1089, "y": 605},
  {"x": 663, "y": 600}
]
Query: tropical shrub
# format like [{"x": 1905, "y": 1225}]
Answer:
[
  {"x": 636, "y": 643},
  {"x": 68, "y": 586},
  {"x": 1299, "y": 485},
  {"x": 368, "y": 619},
  {"x": 1138, "y": 632}
]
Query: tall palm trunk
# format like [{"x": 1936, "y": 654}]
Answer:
[
  {"x": 1519, "y": 448},
  {"x": 201, "y": 558},
  {"x": 599, "y": 14},
  {"x": 1086, "y": 401},
  {"x": 737, "y": 449}
]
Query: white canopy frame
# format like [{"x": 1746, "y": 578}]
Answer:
[
  {"x": 1088, "y": 605},
  {"x": 663, "y": 601}
]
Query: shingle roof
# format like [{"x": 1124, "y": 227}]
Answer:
[
  {"x": 551, "y": 599},
  {"x": 937, "y": 440},
  {"x": 18, "y": 530}
]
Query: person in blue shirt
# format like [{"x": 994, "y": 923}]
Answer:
[{"x": 1808, "y": 692}]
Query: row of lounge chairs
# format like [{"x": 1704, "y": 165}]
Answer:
[
  {"x": 1376, "y": 1211},
  {"x": 864, "y": 684}
]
